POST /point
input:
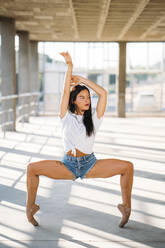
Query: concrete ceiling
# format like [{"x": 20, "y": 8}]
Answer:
[{"x": 88, "y": 20}]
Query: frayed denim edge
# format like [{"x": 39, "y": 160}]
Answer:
[{"x": 83, "y": 177}]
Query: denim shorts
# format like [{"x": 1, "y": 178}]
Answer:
[{"x": 79, "y": 166}]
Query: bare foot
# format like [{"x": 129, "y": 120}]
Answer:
[
  {"x": 30, "y": 213},
  {"x": 125, "y": 211}
]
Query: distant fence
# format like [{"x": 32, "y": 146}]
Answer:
[{"x": 24, "y": 105}]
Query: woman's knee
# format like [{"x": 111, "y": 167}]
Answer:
[
  {"x": 30, "y": 168},
  {"x": 130, "y": 166}
]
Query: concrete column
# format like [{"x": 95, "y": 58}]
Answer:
[
  {"x": 34, "y": 73},
  {"x": 23, "y": 76},
  {"x": 7, "y": 28},
  {"x": 121, "y": 84},
  {"x": 106, "y": 86}
]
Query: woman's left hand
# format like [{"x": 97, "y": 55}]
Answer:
[{"x": 74, "y": 81}]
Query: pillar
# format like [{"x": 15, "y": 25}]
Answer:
[
  {"x": 121, "y": 84},
  {"x": 34, "y": 74},
  {"x": 23, "y": 76},
  {"x": 7, "y": 28},
  {"x": 106, "y": 86}
]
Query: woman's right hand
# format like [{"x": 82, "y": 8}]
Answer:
[{"x": 67, "y": 57}]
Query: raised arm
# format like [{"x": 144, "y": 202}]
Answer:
[
  {"x": 66, "y": 90},
  {"x": 100, "y": 91}
]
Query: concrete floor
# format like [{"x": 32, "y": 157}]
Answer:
[{"x": 83, "y": 213}]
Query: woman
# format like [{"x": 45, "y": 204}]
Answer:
[{"x": 80, "y": 123}]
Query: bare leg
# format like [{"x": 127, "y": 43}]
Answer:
[
  {"x": 32, "y": 186},
  {"x": 126, "y": 182},
  {"x": 57, "y": 170},
  {"x": 111, "y": 167},
  {"x": 50, "y": 168}
]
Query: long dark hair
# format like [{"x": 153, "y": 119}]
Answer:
[{"x": 87, "y": 116}]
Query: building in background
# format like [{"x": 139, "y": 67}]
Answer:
[
  {"x": 98, "y": 61},
  {"x": 145, "y": 84}
]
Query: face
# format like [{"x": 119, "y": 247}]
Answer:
[{"x": 83, "y": 100}]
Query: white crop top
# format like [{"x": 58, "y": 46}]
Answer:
[{"x": 74, "y": 132}]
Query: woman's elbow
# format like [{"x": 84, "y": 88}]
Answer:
[{"x": 104, "y": 92}]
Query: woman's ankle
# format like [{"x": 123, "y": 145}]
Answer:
[
  {"x": 29, "y": 206},
  {"x": 126, "y": 205}
]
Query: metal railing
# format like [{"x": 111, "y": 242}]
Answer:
[{"x": 25, "y": 104}]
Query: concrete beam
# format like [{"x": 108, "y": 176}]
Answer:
[
  {"x": 121, "y": 83},
  {"x": 7, "y": 29}
]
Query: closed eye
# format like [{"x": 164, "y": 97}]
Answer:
[{"x": 83, "y": 97}]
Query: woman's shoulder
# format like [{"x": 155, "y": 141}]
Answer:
[
  {"x": 95, "y": 114},
  {"x": 66, "y": 117},
  {"x": 97, "y": 121}
]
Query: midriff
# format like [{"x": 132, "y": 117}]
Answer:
[{"x": 78, "y": 153}]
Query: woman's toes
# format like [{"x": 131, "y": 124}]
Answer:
[
  {"x": 125, "y": 211},
  {"x": 31, "y": 219},
  {"x": 30, "y": 213}
]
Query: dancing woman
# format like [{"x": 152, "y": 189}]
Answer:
[{"x": 80, "y": 122}]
